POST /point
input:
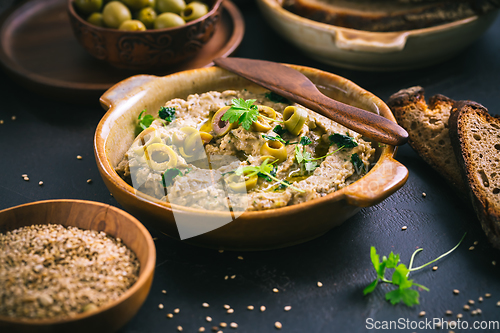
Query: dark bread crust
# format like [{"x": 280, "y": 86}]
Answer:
[
  {"x": 427, "y": 127},
  {"x": 481, "y": 182}
]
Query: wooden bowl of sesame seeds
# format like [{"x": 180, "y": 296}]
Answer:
[{"x": 46, "y": 244}]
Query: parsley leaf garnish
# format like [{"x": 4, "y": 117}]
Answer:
[
  {"x": 342, "y": 140},
  {"x": 275, "y": 138},
  {"x": 400, "y": 275},
  {"x": 278, "y": 129},
  {"x": 304, "y": 140},
  {"x": 145, "y": 120},
  {"x": 274, "y": 97},
  {"x": 358, "y": 164},
  {"x": 167, "y": 113},
  {"x": 167, "y": 178},
  {"x": 265, "y": 169},
  {"x": 243, "y": 112}
]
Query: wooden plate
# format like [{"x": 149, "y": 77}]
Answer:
[{"x": 39, "y": 50}]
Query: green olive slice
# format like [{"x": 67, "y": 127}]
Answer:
[
  {"x": 294, "y": 118},
  {"x": 261, "y": 125},
  {"x": 267, "y": 111},
  {"x": 275, "y": 149},
  {"x": 234, "y": 182},
  {"x": 144, "y": 139},
  {"x": 160, "y": 157},
  {"x": 221, "y": 127}
]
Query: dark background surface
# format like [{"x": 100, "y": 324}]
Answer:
[{"x": 47, "y": 135}]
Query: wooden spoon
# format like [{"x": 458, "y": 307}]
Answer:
[{"x": 296, "y": 87}]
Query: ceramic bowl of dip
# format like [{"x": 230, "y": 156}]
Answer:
[{"x": 252, "y": 230}]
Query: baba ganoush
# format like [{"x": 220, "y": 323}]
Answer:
[{"x": 241, "y": 150}]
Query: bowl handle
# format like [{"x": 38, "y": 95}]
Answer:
[
  {"x": 383, "y": 180},
  {"x": 376, "y": 42},
  {"x": 124, "y": 89}
]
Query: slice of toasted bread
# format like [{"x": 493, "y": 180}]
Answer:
[
  {"x": 427, "y": 127},
  {"x": 475, "y": 137}
]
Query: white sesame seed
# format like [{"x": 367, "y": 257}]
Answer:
[
  {"x": 205, "y": 305},
  {"x": 422, "y": 313},
  {"x": 169, "y": 315},
  {"x": 250, "y": 307},
  {"x": 24, "y": 175},
  {"x": 177, "y": 310},
  {"x": 201, "y": 329},
  {"x": 424, "y": 194},
  {"x": 479, "y": 311},
  {"x": 221, "y": 251},
  {"x": 278, "y": 325},
  {"x": 456, "y": 291},
  {"x": 471, "y": 248},
  {"x": 230, "y": 311},
  {"x": 179, "y": 328},
  {"x": 240, "y": 257},
  {"x": 487, "y": 295},
  {"x": 275, "y": 290},
  {"x": 226, "y": 277},
  {"x": 227, "y": 306},
  {"x": 233, "y": 276},
  {"x": 220, "y": 332},
  {"x": 26, "y": 178},
  {"x": 480, "y": 299},
  {"x": 498, "y": 303},
  {"x": 223, "y": 325},
  {"x": 471, "y": 302},
  {"x": 13, "y": 117},
  {"x": 163, "y": 291},
  {"x": 79, "y": 157},
  {"x": 233, "y": 325},
  {"x": 476, "y": 242},
  {"x": 438, "y": 325},
  {"x": 89, "y": 181},
  {"x": 320, "y": 284},
  {"x": 404, "y": 227},
  {"x": 460, "y": 315},
  {"x": 466, "y": 307},
  {"x": 287, "y": 308},
  {"x": 40, "y": 183},
  {"x": 209, "y": 319},
  {"x": 160, "y": 306},
  {"x": 435, "y": 268},
  {"x": 262, "y": 308},
  {"x": 473, "y": 312},
  {"x": 1, "y": 121},
  {"x": 494, "y": 263},
  {"x": 449, "y": 312}
]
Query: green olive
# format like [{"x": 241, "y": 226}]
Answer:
[
  {"x": 207, "y": 125},
  {"x": 147, "y": 16},
  {"x": 236, "y": 184},
  {"x": 96, "y": 19},
  {"x": 261, "y": 125},
  {"x": 221, "y": 127},
  {"x": 275, "y": 149},
  {"x": 138, "y": 4},
  {"x": 267, "y": 111},
  {"x": 88, "y": 7},
  {"x": 168, "y": 20},
  {"x": 146, "y": 138},
  {"x": 115, "y": 13},
  {"x": 206, "y": 137},
  {"x": 294, "y": 118},
  {"x": 193, "y": 11},
  {"x": 160, "y": 157},
  {"x": 132, "y": 25},
  {"x": 172, "y": 6}
]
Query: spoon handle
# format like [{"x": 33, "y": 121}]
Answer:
[{"x": 369, "y": 124}]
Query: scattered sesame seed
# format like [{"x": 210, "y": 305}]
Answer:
[
  {"x": 471, "y": 302},
  {"x": 230, "y": 311},
  {"x": 169, "y": 315},
  {"x": 226, "y": 277},
  {"x": 177, "y": 310},
  {"x": 494, "y": 263},
  {"x": 460, "y": 315},
  {"x": 466, "y": 307},
  {"x": 209, "y": 319},
  {"x": 26, "y": 178},
  {"x": 223, "y": 325},
  {"x": 456, "y": 291},
  {"x": 262, "y": 308},
  {"x": 233, "y": 276},
  {"x": 226, "y": 306},
  {"x": 435, "y": 268},
  {"x": 221, "y": 251},
  {"x": 449, "y": 312},
  {"x": 233, "y": 325},
  {"x": 160, "y": 306},
  {"x": 473, "y": 312},
  {"x": 487, "y": 295},
  {"x": 424, "y": 194},
  {"x": 278, "y": 325},
  {"x": 240, "y": 257},
  {"x": 404, "y": 227},
  {"x": 471, "y": 248},
  {"x": 201, "y": 329},
  {"x": 89, "y": 181},
  {"x": 13, "y": 117},
  {"x": 1, "y": 121},
  {"x": 163, "y": 291},
  {"x": 205, "y": 305},
  {"x": 422, "y": 313},
  {"x": 79, "y": 157},
  {"x": 215, "y": 328},
  {"x": 40, "y": 183},
  {"x": 320, "y": 284},
  {"x": 476, "y": 242},
  {"x": 275, "y": 290},
  {"x": 155, "y": 238},
  {"x": 479, "y": 311},
  {"x": 250, "y": 307},
  {"x": 498, "y": 303},
  {"x": 179, "y": 328},
  {"x": 288, "y": 308},
  {"x": 220, "y": 332},
  {"x": 480, "y": 299},
  {"x": 438, "y": 325},
  {"x": 24, "y": 175}
]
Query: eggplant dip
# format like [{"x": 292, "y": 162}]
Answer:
[{"x": 241, "y": 150}]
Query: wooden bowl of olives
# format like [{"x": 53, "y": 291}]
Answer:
[{"x": 143, "y": 34}]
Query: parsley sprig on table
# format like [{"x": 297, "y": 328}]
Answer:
[
  {"x": 265, "y": 169},
  {"x": 244, "y": 113},
  {"x": 400, "y": 276}
]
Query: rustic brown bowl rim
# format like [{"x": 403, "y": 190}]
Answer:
[{"x": 144, "y": 273}]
